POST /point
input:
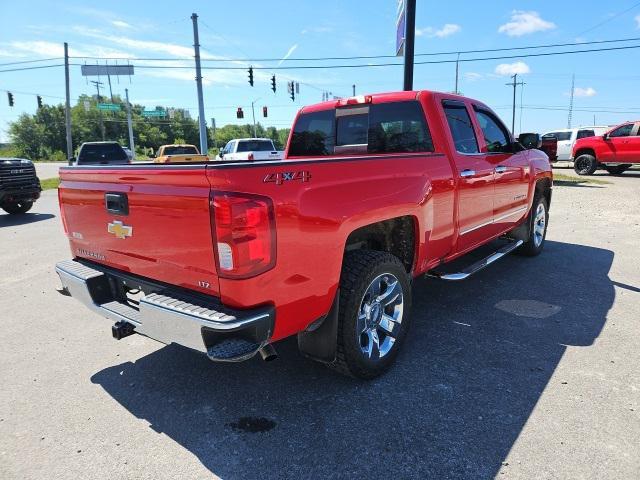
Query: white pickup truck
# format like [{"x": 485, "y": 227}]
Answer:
[{"x": 250, "y": 149}]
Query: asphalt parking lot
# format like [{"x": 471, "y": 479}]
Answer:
[{"x": 527, "y": 370}]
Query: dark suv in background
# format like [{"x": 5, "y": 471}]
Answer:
[
  {"x": 19, "y": 185},
  {"x": 101, "y": 153}
]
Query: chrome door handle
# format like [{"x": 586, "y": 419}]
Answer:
[
  {"x": 467, "y": 173},
  {"x": 501, "y": 169}
]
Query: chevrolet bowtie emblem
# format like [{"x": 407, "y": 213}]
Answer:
[{"x": 119, "y": 229}]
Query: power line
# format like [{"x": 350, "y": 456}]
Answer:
[
  {"x": 31, "y": 68},
  {"x": 393, "y": 64},
  {"x": 30, "y": 61},
  {"x": 365, "y": 57},
  {"x": 610, "y": 18}
]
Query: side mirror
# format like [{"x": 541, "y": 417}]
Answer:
[
  {"x": 530, "y": 140},
  {"x": 152, "y": 155},
  {"x": 605, "y": 137}
]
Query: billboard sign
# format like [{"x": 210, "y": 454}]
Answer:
[{"x": 106, "y": 70}]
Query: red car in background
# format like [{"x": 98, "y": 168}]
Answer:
[{"x": 615, "y": 151}]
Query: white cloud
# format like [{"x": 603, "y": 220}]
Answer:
[
  {"x": 120, "y": 24},
  {"x": 447, "y": 30},
  {"x": 288, "y": 54},
  {"x": 524, "y": 23},
  {"x": 638, "y": 21},
  {"x": 584, "y": 92},
  {"x": 512, "y": 68},
  {"x": 472, "y": 76}
]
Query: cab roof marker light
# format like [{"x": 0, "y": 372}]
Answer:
[{"x": 357, "y": 100}]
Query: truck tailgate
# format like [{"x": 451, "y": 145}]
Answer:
[{"x": 159, "y": 225}]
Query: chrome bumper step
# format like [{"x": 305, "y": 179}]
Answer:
[
  {"x": 477, "y": 266},
  {"x": 171, "y": 316}
]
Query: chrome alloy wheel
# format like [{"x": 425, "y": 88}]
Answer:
[
  {"x": 539, "y": 224},
  {"x": 380, "y": 316}
]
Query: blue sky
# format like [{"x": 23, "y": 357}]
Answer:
[{"x": 606, "y": 82}]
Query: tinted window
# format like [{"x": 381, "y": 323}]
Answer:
[
  {"x": 623, "y": 131},
  {"x": 398, "y": 127},
  {"x": 255, "y": 146},
  {"x": 313, "y": 134},
  {"x": 352, "y": 129},
  {"x": 461, "y": 128},
  {"x": 585, "y": 133},
  {"x": 560, "y": 136},
  {"x": 495, "y": 135},
  {"x": 186, "y": 150},
  {"x": 101, "y": 153}
]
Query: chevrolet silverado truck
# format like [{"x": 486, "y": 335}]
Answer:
[
  {"x": 179, "y": 153},
  {"x": 19, "y": 185},
  {"x": 229, "y": 257},
  {"x": 547, "y": 144},
  {"x": 253, "y": 149},
  {"x": 615, "y": 151}
]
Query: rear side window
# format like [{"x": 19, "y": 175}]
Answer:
[
  {"x": 495, "y": 135},
  {"x": 585, "y": 134},
  {"x": 255, "y": 146},
  {"x": 464, "y": 137},
  {"x": 398, "y": 127},
  {"x": 394, "y": 127},
  {"x": 101, "y": 152},
  {"x": 313, "y": 134}
]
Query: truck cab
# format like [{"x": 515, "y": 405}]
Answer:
[{"x": 615, "y": 151}]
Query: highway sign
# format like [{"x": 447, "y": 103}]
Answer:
[
  {"x": 154, "y": 113},
  {"x": 112, "y": 107}
]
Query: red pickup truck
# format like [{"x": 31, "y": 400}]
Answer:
[
  {"x": 615, "y": 151},
  {"x": 229, "y": 257}
]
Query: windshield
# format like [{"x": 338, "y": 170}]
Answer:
[
  {"x": 255, "y": 146},
  {"x": 101, "y": 152},
  {"x": 182, "y": 150},
  {"x": 560, "y": 136}
]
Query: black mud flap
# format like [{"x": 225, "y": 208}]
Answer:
[{"x": 319, "y": 341}]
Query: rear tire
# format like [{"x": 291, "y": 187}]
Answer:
[
  {"x": 538, "y": 221},
  {"x": 617, "y": 169},
  {"x": 17, "y": 208},
  {"x": 373, "y": 315},
  {"x": 585, "y": 164}
]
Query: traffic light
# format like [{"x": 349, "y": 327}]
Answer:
[
  {"x": 10, "y": 98},
  {"x": 239, "y": 113},
  {"x": 39, "y": 101},
  {"x": 292, "y": 90},
  {"x": 251, "y": 76},
  {"x": 264, "y": 112},
  {"x": 273, "y": 83}
]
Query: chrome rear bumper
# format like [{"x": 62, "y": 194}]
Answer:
[{"x": 170, "y": 316}]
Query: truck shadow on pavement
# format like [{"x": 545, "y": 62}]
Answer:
[
  {"x": 23, "y": 219},
  {"x": 479, "y": 355}
]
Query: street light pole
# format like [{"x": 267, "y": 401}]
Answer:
[
  {"x": 129, "y": 124},
  {"x": 67, "y": 105},
  {"x": 253, "y": 113},
  {"x": 201, "y": 118}
]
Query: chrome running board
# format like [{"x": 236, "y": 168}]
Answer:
[{"x": 476, "y": 267}]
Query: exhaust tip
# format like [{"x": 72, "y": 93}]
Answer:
[{"x": 268, "y": 353}]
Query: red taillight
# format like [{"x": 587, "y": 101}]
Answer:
[
  {"x": 244, "y": 234},
  {"x": 360, "y": 99},
  {"x": 250, "y": 156}
]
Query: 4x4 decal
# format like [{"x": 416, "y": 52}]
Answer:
[{"x": 281, "y": 177}]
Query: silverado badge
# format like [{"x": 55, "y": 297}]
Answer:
[{"x": 119, "y": 229}]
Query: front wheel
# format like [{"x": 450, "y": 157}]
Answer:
[
  {"x": 585, "y": 164},
  {"x": 17, "y": 207},
  {"x": 538, "y": 218},
  {"x": 617, "y": 169},
  {"x": 373, "y": 315}
]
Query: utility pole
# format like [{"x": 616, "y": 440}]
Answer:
[
  {"x": 409, "y": 40},
  {"x": 131, "y": 145},
  {"x": 354, "y": 89},
  {"x": 201, "y": 118},
  {"x": 457, "y": 72},
  {"x": 213, "y": 127},
  {"x": 67, "y": 105},
  {"x": 573, "y": 87},
  {"x": 97, "y": 84},
  {"x": 514, "y": 84},
  {"x": 110, "y": 91},
  {"x": 253, "y": 112}
]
